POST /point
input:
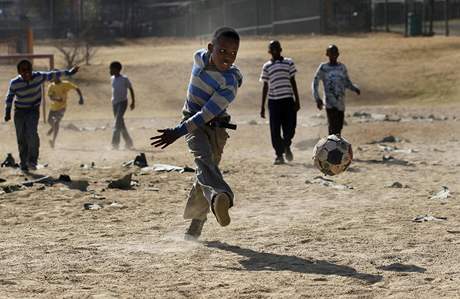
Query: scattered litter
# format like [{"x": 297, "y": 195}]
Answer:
[
  {"x": 391, "y": 160},
  {"x": 64, "y": 178},
  {"x": 397, "y": 185},
  {"x": 97, "y": 196},
  {"x": 85, "y": 166},
  {"x": 71, "y": 127},
  {"x": 92, "y": 206},
  {"x": 442, "y": 195},
  {"x": 140, "y": 161},
  {"x": 12, "y": 188},
  {"x": 2, "y": 180},
  {"x": 124, "y": 183},
  {"x": 395, "y": 149},
  {"x": 45, "y": 179},
  {"x": 453, "y": 231},
  {"x": 9, "y": 161},
  {"x": 423, "y": 218},
  {"x": 41, "y": 188},
  {"x": 152, "y": 189},
  {"x": 116, "y": 205},
  {"x": 387, "y": 139},
  {"x": 167, "y": 168},
  {"x": 328, "y": 183}
]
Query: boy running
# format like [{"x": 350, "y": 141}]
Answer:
[
  {"x": 57, "y": 92},
  {"x": 335, "y": 80},
  {"x": 120, "y": 87},
  {"x": 25, "y": 93},
  {"x": 213, "y": 86},
  {"x": 278, "y": 76}
]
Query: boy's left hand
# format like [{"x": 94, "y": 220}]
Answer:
[
  {"x": 358, "y": 91},
  {"x": 296, "y": 105},
  {"x": 80, "y": 102},
  {"x": 167, "y": 137},
  {"x": 74, "y": 70},
  {"x": 132, "y": 106}
]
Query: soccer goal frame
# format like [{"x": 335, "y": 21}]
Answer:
[{"x": 49, "y": 57}]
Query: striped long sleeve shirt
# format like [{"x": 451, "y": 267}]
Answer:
[
  {"x": 209, "y": 92},
  {"x": 278, "y": 75},
  {"x": 28, "y": 94}
]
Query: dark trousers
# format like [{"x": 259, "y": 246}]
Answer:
[
  {"x": 119, "y": 126},
  {"x": 26, "y": 123},
  {"x": 283, "y": 117},
  {"x": 335, "y": 119}
]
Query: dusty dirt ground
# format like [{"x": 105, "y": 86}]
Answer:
[{"x": 292, "y": 234}]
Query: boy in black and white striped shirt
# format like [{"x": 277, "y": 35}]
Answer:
[{"x": 278, "y": 76}]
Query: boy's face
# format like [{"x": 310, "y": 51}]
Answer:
[
  {"x": 274, "y": 50},
  {"x": 332, "y": 54},
  {"x": 223, "y": 52},
  {"x": 25, "y": 71},
  {"x": 114, "y": 71}
]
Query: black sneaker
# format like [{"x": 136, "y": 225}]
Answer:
[
  {"x": 278, "y": 160},
  {"x": 194, "y": 230},
  {"x": 288, "y": 154}
]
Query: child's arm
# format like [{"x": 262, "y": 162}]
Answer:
[
  {"x": 80, "y": 101},
  {"x": 296, "y": 93},
  {"x": 48, "y": 76},
  {"x": 9, "y": 103},
  {"x": 314, "y": 87},
  {"x": 264, "y": 97},
  {"x": 349, "y": 84},
  {"x": 133, "y": 100}
]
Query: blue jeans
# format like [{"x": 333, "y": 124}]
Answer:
[{"x": 26, "y": 123}]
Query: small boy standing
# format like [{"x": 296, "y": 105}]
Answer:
[
  {"x": 120, "y": 87},
  {"x": 278, "y": 76},
  {"x": 213, "y": 86},
  {"x": 57, "y": 92},
  {"x": 335, "y": 80},
  {"x": 25, "y": 93}
]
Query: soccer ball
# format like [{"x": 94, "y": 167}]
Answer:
[{"x": 332, "y": 155}]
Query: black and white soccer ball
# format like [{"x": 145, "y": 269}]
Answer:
[{"x": 332, "y": 155}]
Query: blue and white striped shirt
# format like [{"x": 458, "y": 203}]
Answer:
[
  {"x": 209, "y": 92},
  {"x": 28, "y": 94}
]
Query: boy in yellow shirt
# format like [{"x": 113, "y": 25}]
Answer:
[{"x": 57, "y": 92}]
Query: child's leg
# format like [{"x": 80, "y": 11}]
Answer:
[
  {"x": 19, "y": 124},
  {"x": 31, "y": 132},
  {"x": 206, "y": 144},
  {"x": 275, "y": 112},
  {"x": 335, "y": 120},
  {"x": 197, "y": 206},
  {"x": 289, "y": 121},
  {"x": 117, "y": 108}
]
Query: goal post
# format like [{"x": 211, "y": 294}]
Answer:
[{"x": 49, "y": 57}]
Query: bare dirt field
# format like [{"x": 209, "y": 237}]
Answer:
[{"x": 294, "y": 233}]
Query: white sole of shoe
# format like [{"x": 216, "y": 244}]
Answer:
[{"x": 221, "y": 205}]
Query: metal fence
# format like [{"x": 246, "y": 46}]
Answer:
[{"x": 417, "y": 17}]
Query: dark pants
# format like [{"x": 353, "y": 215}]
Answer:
[
  {"x": 26, "y": 123},
  {"x": 335, "y": 119},
  {"x": 119, "y": 126},
  {"x": 283, "y": 116}
]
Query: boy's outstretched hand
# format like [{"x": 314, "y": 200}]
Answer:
[
  {"x": 74, "y": 70},
  {"x": 358, "y": 91},
  {"x": 319, "y": 104},
  {"x": 167, "y": 137}
]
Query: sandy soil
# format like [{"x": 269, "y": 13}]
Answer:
[{"x": 290, "y": 236}]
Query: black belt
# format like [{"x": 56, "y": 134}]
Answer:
[{"x": 221, "y": 124}]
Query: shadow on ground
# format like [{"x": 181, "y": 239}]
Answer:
[{"x": 262, "y": 261}]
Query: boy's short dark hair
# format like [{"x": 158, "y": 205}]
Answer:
[
  {"x": 227, "y": 32},
  {"x": 116, "y": 65},
  {"x": 274, "y": 44},
  {"x": 332, "y": 48},
  {"x": 24, "y": 62}
]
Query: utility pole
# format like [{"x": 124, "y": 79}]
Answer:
[{"x": 446, "y": 16}]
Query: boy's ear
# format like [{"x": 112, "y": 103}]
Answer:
[{"x": 210, "y": 47}]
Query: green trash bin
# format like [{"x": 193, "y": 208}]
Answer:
[{"x": 414, "y": 24}]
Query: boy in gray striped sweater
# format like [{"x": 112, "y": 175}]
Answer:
[
  {"x": 278, "y": 76},
  {"x": 213, "y": 86},
  {"x": 25, "y": 92}
]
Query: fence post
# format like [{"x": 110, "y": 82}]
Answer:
[
  {"x": 446, "y": 16},
  {"x": 386, "y": 16}
]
